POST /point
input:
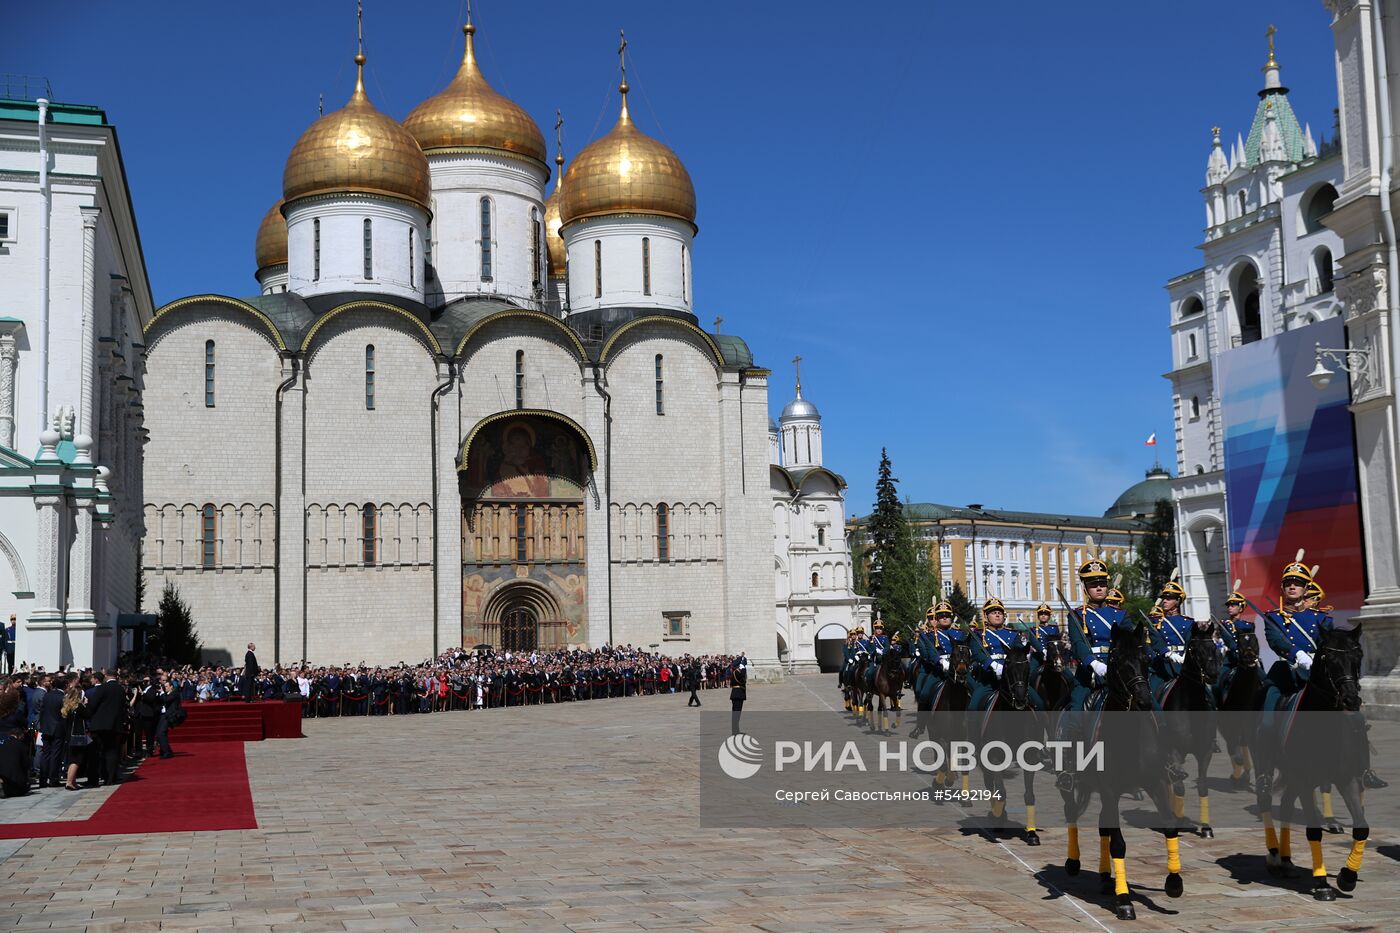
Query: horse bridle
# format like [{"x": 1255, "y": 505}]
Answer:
[
  {"x": 1129, "y": 684},
  {"x": 1332, "y": 656}
]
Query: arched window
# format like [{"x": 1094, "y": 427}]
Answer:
[
  {"x": 1249, "y": 320},
  {"x": 815, "y": 580},
  {"x": 369, "y": 378},
  {"x": 646, "y": 265},
  {"x": 1319, "y": 204},
  {"x": 208, "y": 374},
  {"x": 1190, "y": 346},
  {"x": 663, "y": 533},
  {"x": 485, "y": 239},
  {"x": 208, "y": 531},
  {"x": 535, "y": 248},
  {"x": 597, "y": 268},
  {"x": 821, "y": 537},
  {"x": 368, "y": 535},
  {"x": 522, "y": 533},
  {"x": 1322, "y": 266},
  {"x": 1195, "y": 407},
  {"x": 369, "y": 248},
  {"x": 519, "y": 378},
  {"x": 1192, "y": 306},
  {"x": 412, "y": 272},
  {"x": 660, "y": 400},
  {"x": 316, "y": 249}
]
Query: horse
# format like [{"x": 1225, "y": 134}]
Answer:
[
  {"x": 1050, "y": 680},
  {"x": 1313, "y": 739},
  {"x": 885, "y": 682},
  {"x": 1011, "y": 719},
  {"x": 1134, "y": 757},
  {"x": 1240, "y": 698},
  {"x": 1188, "y": 702},
  {"x": 947, "y": 704},
  {"x": 852, "y": 673}
]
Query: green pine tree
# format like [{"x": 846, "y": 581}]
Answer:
[
  {"x": 860, "y": 573},
  {"x": 1157, "y": 556},
  {"x": 963, "y": 608},
  {"x": 179, "y": 639}
]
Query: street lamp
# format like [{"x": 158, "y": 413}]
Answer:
[{"x": 1356, "y": 362}]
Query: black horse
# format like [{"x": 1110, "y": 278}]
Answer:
[
  {"x": 852, "y": 673},
  {"x": 1241, "y": 696},
  {"x": 884, "y": 682},
  {"x": 1188, "y": 705},
  {"x": 1135, "y": 756},
  {"x": 1012, "y": 720},
  {"x": 947, "y": 722},
  {"x": 1311, "y": 740}
]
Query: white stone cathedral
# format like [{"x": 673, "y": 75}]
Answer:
[{"x": 463, "y": 412}]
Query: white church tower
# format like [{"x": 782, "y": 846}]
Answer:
[
  {"x": 487, "y": 161},
  {"x": 355, "y": 191},
  {"x": 816, "y": 605}
]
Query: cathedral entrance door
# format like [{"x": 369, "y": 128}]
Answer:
[{"x": 519, "y": 630}]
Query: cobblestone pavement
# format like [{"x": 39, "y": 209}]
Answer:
[{"x": 584, "y": 817}]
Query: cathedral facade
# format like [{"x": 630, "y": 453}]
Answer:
[{"x": 462, "y": 411}]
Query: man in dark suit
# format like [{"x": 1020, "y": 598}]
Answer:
[
  {"x": 54, "y": 731},
  {"x": 738, "y": 692},
  {"x": 250, "y": 673},
  {"x": 105, "y": 711}
]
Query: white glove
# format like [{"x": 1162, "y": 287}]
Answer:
[
  {"x": 1177, "y": 656},
  {"x": 1099, "y": 668},
  {"x": 939, "y": 664},
  {"x": 997, "y": 668},
  {"x": 1303, "y": 660}
]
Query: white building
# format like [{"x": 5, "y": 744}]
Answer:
[
  {"x": 73, "y": 301},
  {"x": 812, "y": 561},
  {"x": 460, "y": 411},
  {"x": 1268, "y": 267}
]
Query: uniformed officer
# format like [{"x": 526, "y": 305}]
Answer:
[
  {"x": 738, "y": 690},
  {"x": 1115, "y": 598},
  {"x": 1091, "y": 630},
  {"x": 1169, "y": 634},
  {"x": 1292, "y": 631},
  {"x": 848, "y": 655},
  {"x": 1047, "y": 630},
  {"x": 989, "y": 653},
  {"x": 1235, "y": 624},
  {"x": 877, "y": 645}
]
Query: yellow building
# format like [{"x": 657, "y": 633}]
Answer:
[{"x": 1024, "y": 557}]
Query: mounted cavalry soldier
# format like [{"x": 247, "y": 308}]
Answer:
[
  {"x": 1047, "y": 630},
  {"x": 1169, "y": 635},
  {"x": 1115, "y": 598},
  {"x": 876, "y": 647},
  {"x": 989, "y": 653},
  {"x": 934, "y": 649},
  {"x": 1235, "y": 624}
]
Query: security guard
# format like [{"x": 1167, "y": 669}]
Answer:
[
  {"x": 1169, "y": 634},
  {"x": 989, "y": 654}
]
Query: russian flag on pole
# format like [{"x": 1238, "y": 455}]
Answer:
[{"x": 1152, "y": 439}]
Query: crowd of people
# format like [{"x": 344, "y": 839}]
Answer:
[{"x": 60, "y": 728}]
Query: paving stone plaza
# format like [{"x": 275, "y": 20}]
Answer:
[{"x": 584, "y": 817}]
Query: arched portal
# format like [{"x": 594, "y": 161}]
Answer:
[
  {"x": 523, "y": 476},
  {"x": 830, "y": 640}
]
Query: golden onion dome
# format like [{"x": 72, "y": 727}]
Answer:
[
  {"x": 627, "y": 172},
  {"x": 554, "y": 243},
  {"x": 271, "y": 246},
  {"x": 469, "y": 114},
  {"x": 358, "y": 149}
]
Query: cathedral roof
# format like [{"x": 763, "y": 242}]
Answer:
[
  {"x": 1294, "y": 145},
  {"x": 270, "y": 248},
  {"x": 627, "y": 172},
  {"x": 1141, "y": 497},
  {"x": 357, "y": 149},
  {"x": 469, "y": 114}
]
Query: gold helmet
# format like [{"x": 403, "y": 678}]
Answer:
[
  {"x": 1115, "y": 598},
  {"x": 1093, "y": 569},
  {"x": 1299, "y": 571},
  {"x": 944, "y": 608}
]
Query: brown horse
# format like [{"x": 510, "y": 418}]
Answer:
[{"x": 886, "y": 681}]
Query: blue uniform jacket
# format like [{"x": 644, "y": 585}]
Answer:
[
  {"x": 1172, "y": 634},
  {"x": 992, "y": 646},
  {"x": 1290, "y": 632}
]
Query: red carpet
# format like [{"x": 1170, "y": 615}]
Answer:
[{"x": 203, "y": 789}]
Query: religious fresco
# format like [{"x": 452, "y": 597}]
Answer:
[
  {"x": 566, "y": 586},
  {"x": 525, "y": 458}
]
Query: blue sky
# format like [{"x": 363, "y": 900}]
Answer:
[{"x": 960, "y": 215}]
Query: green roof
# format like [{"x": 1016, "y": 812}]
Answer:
[
  {"x": 1288, "y": 128},
  {"x": 28, "y": 112},
  {"x": 933, "y": 511},
  {"x": 735, "y": 351}
]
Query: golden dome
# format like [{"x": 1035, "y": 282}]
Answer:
[
  {"x": 357, "y": 148},
  {"x": 271, "y": 246},
  {"x": 554, "y": 243},
  {"x": 469, "y": 113},
  {"x": 627, "y": 172}
]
